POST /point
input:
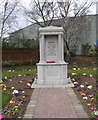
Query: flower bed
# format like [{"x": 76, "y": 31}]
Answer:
[
  {"x": 85, "y": 89},
  {"x": 19, "y": 86}
]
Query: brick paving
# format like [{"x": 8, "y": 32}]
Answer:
[{"x": 54, "y": 103}]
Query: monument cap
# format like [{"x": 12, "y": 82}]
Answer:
[{"x": 51, "y": 29}]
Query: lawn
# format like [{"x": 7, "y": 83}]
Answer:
[
  {"x": 18, "y": 72},
  {"x": 5, "y": 98},
  {"x": 81, "y": 72},
  {"x": 33, "y": 71}
]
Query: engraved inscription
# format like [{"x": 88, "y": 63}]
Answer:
[{"x": 51, "y": 48}]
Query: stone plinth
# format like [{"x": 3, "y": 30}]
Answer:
[{"x": 52, "y": 74}]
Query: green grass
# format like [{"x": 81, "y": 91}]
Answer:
[
  {"x": 19, "y": 72},
  {"x": 33, "y": 71},
  {"x": 96, "y": 96},
  {"x": 5, "y": 97},
  {"x": 88, "y": 72}
]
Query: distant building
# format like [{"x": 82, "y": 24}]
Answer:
[
  {"x": 97, "y": 7},
  {"x": 86, "y": 31}
]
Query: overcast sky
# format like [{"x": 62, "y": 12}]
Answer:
[
  {"x": 26, "y": 3},
  {"x": 22, "y": 21}
]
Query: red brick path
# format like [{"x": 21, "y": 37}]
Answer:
[{"x": 55, "y": 103}]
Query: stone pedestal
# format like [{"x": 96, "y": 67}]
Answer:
[
  {"x": 52, "y": 69},
  {"x": 52, "y": 74}
]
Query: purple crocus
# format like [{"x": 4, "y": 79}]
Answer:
[
  {"x": 79, "y": 89},
  {"x": 88, "y": 93}
]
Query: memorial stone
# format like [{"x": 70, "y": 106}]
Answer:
[{"x": 51, "y": 69}]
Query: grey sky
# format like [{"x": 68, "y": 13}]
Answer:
[
  {"x": 26, "y": 3},
  {"x": 22, "y": 21}
]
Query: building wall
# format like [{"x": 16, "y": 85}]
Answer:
[
  {"x": 31, "y": 31},
  {"x": 91, "y": 30},
  {"x": 97, "y": 7}
]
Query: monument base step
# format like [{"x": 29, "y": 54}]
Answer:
[{"x": 35, "y": 85}]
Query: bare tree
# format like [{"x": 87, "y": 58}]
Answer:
[
  {"x": 7, "y": 15},
  {"x": 72, "y": 12},
  {"x": 72, "y": 26},
  {"x": 41, "y": 11}
]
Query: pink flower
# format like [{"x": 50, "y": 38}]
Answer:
[
  {"x": 90, "y": 95},
  {"x": 97, "y": 118},
  {"x": 81, "y": 92},
  {"x": 88, "y": 101},
  {"x": 1, "y": 117},
  {"x": 93, "y": 108},
  {"x": 76, "y": 83}
]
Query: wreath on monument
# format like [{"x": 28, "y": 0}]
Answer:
[{"x": 50, "y": 61}]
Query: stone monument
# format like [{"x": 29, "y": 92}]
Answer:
[{"x": 51, "y": 69}]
